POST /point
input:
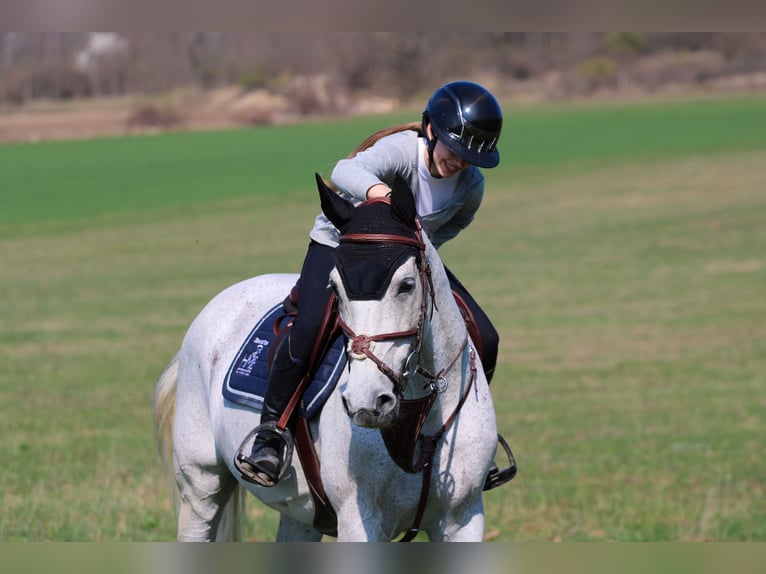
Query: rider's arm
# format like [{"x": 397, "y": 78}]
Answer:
[{"x": 371, "y": 172}]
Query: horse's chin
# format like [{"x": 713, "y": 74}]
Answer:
[{"x": 367, "y": 418}]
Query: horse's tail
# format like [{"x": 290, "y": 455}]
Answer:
[{"x": 163, "y": 411}]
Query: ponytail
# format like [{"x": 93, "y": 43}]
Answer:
[{"x": 373, "y": 139}]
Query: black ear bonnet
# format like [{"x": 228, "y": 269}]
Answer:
[
  {"x": 366, "y": 267},
  {"x": 376, "y": 237}
]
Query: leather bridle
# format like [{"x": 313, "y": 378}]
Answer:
[{"x": 360, "y": 345}]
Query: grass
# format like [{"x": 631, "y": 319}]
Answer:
[
  {"x": 634, "y": 313},
  {"x": 88, "y": 178},
  {"x": 626, "y": 274}
]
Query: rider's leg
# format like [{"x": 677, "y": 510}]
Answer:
[
  {"x": 269, "y": 451},
  {"x": 266, "y": 460}
]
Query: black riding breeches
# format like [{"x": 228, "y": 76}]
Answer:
[{"x": 313, "y": 297}]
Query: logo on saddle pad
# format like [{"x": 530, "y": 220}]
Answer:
[{"x": 247, "y": 364}]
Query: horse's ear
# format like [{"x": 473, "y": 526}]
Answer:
[
  {"x": 403, "y": 202},
  {"x": 337, "y": 209}
]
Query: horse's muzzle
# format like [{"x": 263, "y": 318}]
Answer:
[{"x": 382, "y": 415}]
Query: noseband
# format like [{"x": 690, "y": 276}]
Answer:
[{"x": 361, "y": 346}]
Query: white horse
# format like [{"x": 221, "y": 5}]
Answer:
[{"x": 408, "y": 349}]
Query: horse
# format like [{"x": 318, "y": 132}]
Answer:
[{"x": 408, "y": 351}]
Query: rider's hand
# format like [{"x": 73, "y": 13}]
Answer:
[{"x": 378, "y": 190}]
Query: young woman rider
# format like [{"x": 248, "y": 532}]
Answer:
[{"x": 439, "y": 158}]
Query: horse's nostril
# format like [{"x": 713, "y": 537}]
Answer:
[{"x": 385, "y": 402}]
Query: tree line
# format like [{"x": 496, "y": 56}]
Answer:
[{"x": 60, "y": 66}]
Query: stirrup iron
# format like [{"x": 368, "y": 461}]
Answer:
[
  {"x": 498, "y": 477},
  {"x": 246, "y": 447}
]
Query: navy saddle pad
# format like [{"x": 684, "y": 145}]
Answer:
[{"x": 248, "y": 375}]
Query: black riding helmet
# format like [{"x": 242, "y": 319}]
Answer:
[{"x": 467, "y": 119}]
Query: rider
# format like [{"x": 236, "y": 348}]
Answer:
[{"x": 439, "y": 158}]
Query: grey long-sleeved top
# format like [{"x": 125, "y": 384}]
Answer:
[{"x": 398, "y": 154}]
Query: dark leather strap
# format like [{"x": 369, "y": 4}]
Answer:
[
  {"x": 428, "y": 448},
  {"x": 470, "y": 323},
  {"x": 382, "y": 238},
  {"x": 402, "y": 438},
  {"x": 325, "y": 519},
  {"x": 280, "y": 334},
  {"x": 329, "y": 325}
]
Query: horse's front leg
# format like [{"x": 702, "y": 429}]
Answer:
[
  {"x": 291, "y": 530},
  {"x": 352, "y": 527},
  {"x": 461, "y": 525}
]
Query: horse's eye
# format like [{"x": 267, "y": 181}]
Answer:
[{"x": 406, "y": 286}]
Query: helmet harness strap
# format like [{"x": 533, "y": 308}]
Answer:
[{"x": 430, "y": 146}]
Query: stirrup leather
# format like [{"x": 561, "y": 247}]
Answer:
[
  {"x": 497, "y": 477},
  {"x": 247, "y": 444}
]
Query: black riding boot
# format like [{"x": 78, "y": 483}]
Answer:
[{"x": 272, "y": 447}]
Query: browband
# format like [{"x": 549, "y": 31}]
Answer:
[{"x": 381, "y": 238}]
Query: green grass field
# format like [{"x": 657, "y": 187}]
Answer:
[{"x": 621, "y": 250}]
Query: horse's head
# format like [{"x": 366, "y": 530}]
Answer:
[{"x": 381, "y": 281}]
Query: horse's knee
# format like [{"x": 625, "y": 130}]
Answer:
[{"x": 193, "y": 527}]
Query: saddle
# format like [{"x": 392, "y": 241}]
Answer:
[{"x": 247, "y": 379}]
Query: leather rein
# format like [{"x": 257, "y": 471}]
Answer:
[{"x": 361, "y": 346}]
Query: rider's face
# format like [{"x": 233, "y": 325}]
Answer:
[{"x": 445, "y": 163}]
